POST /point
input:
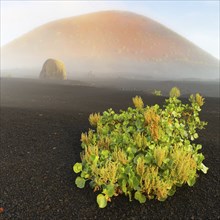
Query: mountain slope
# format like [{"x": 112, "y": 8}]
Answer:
[{"x": 111, "y": 42}]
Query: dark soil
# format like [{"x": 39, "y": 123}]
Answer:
[{"x": 41, "y": 124}]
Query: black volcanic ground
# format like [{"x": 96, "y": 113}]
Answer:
[{"x": 41, "y": 123}]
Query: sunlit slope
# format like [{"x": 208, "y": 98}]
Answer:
[{"x": 111, "y": 42}]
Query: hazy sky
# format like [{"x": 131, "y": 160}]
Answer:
[{"x": 198, "y": 21}]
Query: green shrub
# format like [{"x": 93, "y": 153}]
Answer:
[
  {"x": 157, "y": 93},
  {"x": 144, "y": 152},
  {"x": 174, "y": 92}
]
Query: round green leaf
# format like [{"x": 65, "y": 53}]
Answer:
[
  {"x": 172, "y": 191},
  {"x": 148, "y": 158},
  {"x": 140, "y": 197},
  {"x": 191, "y": 181},
  {"x": 124, "y": 186},
  {"x": 105, "y": 153},
  {"x": 135, "y": 182},
  {"x": 80, "y": 182},
  {"x": 127, "y": 170},
  {"x": 110, "y": 190},
  {"x": 196, "y": 135},
  {"x": 77, "y": 167},
  {"x": 101, "y": 200}
]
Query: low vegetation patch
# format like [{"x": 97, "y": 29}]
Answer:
[
  {"x": 157, "y": 93},
  {"x": 144, "y": 152}
]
